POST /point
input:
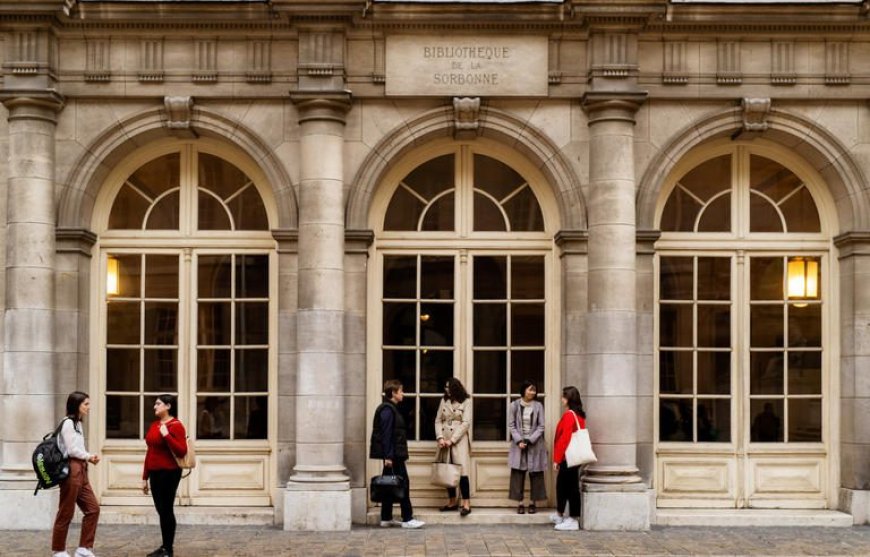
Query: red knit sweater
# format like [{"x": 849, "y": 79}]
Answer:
[
  {"x": 564, "y": 429},
  {"x": 161, "y": 449}
]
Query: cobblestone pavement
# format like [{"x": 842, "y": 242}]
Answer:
[{"x": 195, "y": 541}]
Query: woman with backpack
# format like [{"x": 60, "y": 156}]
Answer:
[
  {"x": 166, "y": 440},
  {"x": 76, "y": 489}
]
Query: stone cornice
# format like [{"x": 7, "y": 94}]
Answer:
[
  {"x": 317, "y": 106},
  {"x": 572, "y": 242},
  {"x": 358, "y": 241},
  {"x": 287, "y": 239},
  {"x": 856, "y": 242},
  {"x": 74, "y": 240},
  {"x": 603, "y": 106},
  {"x": 645, "y": 240}
]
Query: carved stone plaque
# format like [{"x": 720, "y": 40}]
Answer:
[{"x": 484, "y": 65}]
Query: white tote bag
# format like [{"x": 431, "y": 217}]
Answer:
[{"x": 579, "y": 449}]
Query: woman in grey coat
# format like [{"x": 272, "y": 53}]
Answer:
[{"x": 528, "y": 452}]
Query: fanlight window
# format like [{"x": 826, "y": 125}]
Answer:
[
  {"x": 426, "y": 199},
  {"x": 150, "y": 198},
  {"x": 778, "y": 201}
]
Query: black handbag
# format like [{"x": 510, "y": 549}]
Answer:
[{"x": 387, "y": 485}]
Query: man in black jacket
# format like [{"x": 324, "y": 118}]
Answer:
[{"x": 390, "y": 443}]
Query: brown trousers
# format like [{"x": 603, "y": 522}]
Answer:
[{"x": 76, "y": 489}]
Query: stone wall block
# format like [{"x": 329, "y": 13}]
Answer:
[
  {"x": 574, "y": 340},
  {"x": 321, "y": 289},
  {"x": 861, "y": 417},
  {"x": 262, "y": 118},
  {"x": 574, "y": 372},
  {"x": 862, "y": 334},
  {"x": 861, "y": 370},
  {"x": 27, "y": 287},
  {"x": 321, "y": 203},
  {"x": 66, "y": 330},
  {"x": 607, "y": 205},
  {"x": 286, "y": 418},
  {"x": 318, "y": 450},
  {"x": 313, "y": 379},
  {"x": 619, "y": 375},
  {"x": 286, "y": 332},
  {"x": 29, "y": 330},
  {"x": 611, "y": 332},
  {"x": 28, "y": 383},
  {"x": 847, "y": 420},
  {"x": 67, "y": 365},
  {"x": 354, "y": 333},
  {"x": 611, "y": 289},
  {"x": 606, "y": 452},
  {"x": 355, "y": 374},
  {"x": 327, "y": 237},
  {"x": 27, "y": 413},
  {"x": 645, "y": 374},
  {"x": 287, "y": 368},
  {"x": 30, "y": 244},
  {"x": 355, "y": 457},
  {"x": 555, "y": 118},
  {"x": 614, "y": 432},
  {"x": 319, "y": 330}
]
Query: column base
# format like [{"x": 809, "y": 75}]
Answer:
[
  {"x": 857, "y": 503},
  {"x": 317, "y": 507},
  {"x": 615, "y": 507},
  {"x": 20, "y": 510}
]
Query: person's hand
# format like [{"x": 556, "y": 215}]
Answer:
[
  {"x": 522, "y": 444},
  {"x": 164, "y": 431},
  {"x": 555, "y": 466},
  {"x": 448, "y": 443},
  {"x": 145, "y": 487},
  {"x": 388, "y": 462},
  {"x": 441, "y": 443},
  {"x": 94, "y": 459}
]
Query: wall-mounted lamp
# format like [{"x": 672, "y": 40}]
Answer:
[
  {"x": 424, "y": 317},
  {"x": 803, "y": 279},
  {"x": 113, "y": 276}
]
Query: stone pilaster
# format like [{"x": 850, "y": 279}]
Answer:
[
  {"x": 318, "y": 494},
  {"x": 30, "y": 395},
  {"x": 614, "y": 496}
]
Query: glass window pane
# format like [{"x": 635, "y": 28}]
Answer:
[
  {"x": 404, "y": 211},
  {"x": 714, "y": 373},
  {"x": 766, "y": 420},
  {"x": 714, "y": 278},
  {"x": 714, "y": 421},
  {"x": 401, "y": 365},
  {"x": 714, "y": 326},
  {"x": 220, "y": 176},
  {"x": 527, "y": 278},
  {"x": 675, "y": 372},
  {"x": 680, "y": 212},
  {"x": 805, "y": 325},
  {"x": 805, "y": 373},
  {"x": 161, "y": 276},
  {"x": 765, "y": 325},
  {"x": 800, "y": 212},
  {"x": 214, "y": 276},
  {"x": 122, "y": 417},
  {"x": 436, "y": 324},
  {"x": 408, "y": 410},
  {"x": 436, "y": 367},
  {"x": 128, "y": 210},
  {"x": 716, "y": 216},
  {"x": 432, "y": 177},
  {"x": 490, "y": 324},
  {"x": 211, "y": 214},
  {"x": 527, "y": 365},
  {"x": 489, "y": 419},
  {"x": 675, "y": 325},
  {"x": 524, "y": 212},
  {"x": 161, "y": 323},
  {"x": 252, "y": 276},
  {"x": 161, "y": 370},
  {"x": 252, "y": 371},
  {"x": 252, "y": 417},
  {"x": 771, "y": 178},
  {"x": 488, "y": 216},
  {"x": 675, "y": 420},
  {"x": 494, "y": 177},
  {"x": 490, "y": 372},
  {"x": 704, "y": 181},
  {"x": 440, "y": 215},
  {"x": 164, "y": 213},
  {"x": 122, "y": 322},
  {"x": 158, "y": 176},
  {"x": 129, "y": 275},
  {"x": 766, "y": 371},
  {"x": 252, "y": 323},
  {"x": 428, "y": 413},
  {"x": 213, "y": 415},
  {"x": 122, "y": 369},
  {"x": 490, "y": 277},
  {"x": 213, "y": 370},
  {"x": 527, "y": 324},
  {"x": 400, "y": 276},
  {"x": 399, "y": 326},
  {"x": 214, "y": 323},
  {"x": 763, "y": 216},
  {"x": 436, "y": 278},
  {"x": 805, "y": 420},
  {"x": 765, "y": 280},
  {"x": 248, "y": 210},
  {"x": 676, "y": 278}
]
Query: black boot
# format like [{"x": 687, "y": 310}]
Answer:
[{"x": 159, "y": 552}]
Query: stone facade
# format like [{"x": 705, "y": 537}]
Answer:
[{"x": 303, "y": 89}]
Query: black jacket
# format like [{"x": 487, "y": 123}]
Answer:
[{"x": 389, "y": 434}]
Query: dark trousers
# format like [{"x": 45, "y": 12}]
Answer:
[
  {"x": 464, "y": 489},
  {"x": 568, "y": 489},
  {"x": 76, "y": 490},
  {"x": 405, "y": 502},
  {"x": 164, "y": 485},
  {"x": 517, "y": 486}
]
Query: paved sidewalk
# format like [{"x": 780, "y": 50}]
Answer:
[{"x": 217, "y": 541}]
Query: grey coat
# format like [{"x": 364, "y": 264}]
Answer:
[{"x": 537, "y": 458}]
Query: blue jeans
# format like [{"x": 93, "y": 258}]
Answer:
[{"x": 405, "y": 502}]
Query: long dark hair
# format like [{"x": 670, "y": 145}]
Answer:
[
  {"x": 171, "y": 401},
  {"x": 572, "y": 395},
  {"x": 455, "y": 391},
  {"x": 73, "y": 401},
  {"x": 524, "y": 387}
]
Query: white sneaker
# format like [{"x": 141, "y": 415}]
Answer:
[
  {"x": 390, "y": 523},
  {"x": 568, "y": 524},
  {"x": 413, "y": 523},
  {"x": 556, "y": 518},
  {"x": 61, "y": 554},
  {"x": 84, "y": 552}
]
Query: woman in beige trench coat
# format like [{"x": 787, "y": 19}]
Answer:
[{"x": 452, "y": 425}]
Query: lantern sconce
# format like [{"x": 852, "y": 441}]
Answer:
[
  {"x": 803, "y": 279},
  {"x": 113, "y": 276}
]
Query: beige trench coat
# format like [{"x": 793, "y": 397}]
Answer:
[{"x": 453, "y": 423}]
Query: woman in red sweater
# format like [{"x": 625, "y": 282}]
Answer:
[
  {"x": 166, "y": 439},
  {"x": 567, "y": 478}
]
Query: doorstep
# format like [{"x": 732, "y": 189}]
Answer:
[
  {"x": 229, "y": 516},
  {"x": 752, "y": 517},
  {"x": 479, "y": 516}
]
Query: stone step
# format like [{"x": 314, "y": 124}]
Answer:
[
  {"x": 752, "y": 517},
  {"x": 478, "y": 516},
  {"x": 229, "y": 516}
]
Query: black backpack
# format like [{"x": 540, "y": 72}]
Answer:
[{"x": 50, "y": 465}]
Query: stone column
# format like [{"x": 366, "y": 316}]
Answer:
[
  {"x": 614, "y": 497},
  {"x": 318, "y": 494},
  {"x": 29, "y": 384}
]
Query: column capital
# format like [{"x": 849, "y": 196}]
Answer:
[
  {"x": 358, "y": 241},
  {"x": 32, "y": 105},
  {"x": 601, "y": 106},
  {"x": 572, "y": 242},
  {"x": 854, "y": 242},
  {"x": 322, "y": 106}
]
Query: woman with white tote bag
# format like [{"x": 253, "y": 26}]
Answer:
[{"x": 567, "y": 478}]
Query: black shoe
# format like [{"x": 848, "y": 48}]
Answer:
[
  {"x": 159, "y": 552},
  {"x": 447, "y": 508},
  {"x": 464, "y": 512}
]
